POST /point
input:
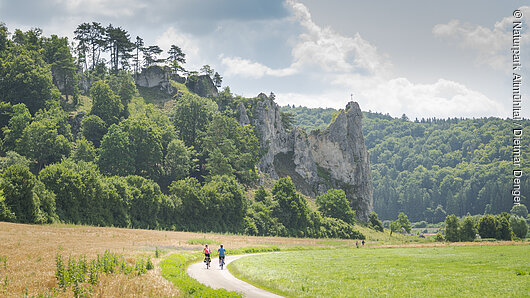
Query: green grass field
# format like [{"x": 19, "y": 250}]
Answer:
[{"x": 472, "y": 271}]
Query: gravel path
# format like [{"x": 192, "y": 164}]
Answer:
[{"x": 217, "y": 278}]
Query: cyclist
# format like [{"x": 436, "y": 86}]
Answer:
[
  {"x": 222, "y": 253},
  {"x": 206, "y": 252}
]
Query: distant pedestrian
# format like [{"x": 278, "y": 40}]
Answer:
[
  {"x": 357, "y": 243},
  {"x": 363, "y": 242}
]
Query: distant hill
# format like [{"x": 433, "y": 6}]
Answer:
[{"x": 432, "y": 167}]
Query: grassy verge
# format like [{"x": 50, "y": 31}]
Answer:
[{"x": 479, "y": 271}]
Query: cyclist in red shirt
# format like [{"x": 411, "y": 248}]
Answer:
[{"x": 206, "y": 252}]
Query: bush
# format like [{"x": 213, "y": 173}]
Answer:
[
  {"x": 421, "y": 224},
  {"x": 468, "y": 231},
  {"x": 375, "y": 223},
  {"x": 451, "y": 228},
  {"x": 504, "y": 230},
  {"x": 519, "y": 210},
  {"x": 519, "y": 226},
  {"x": 439, "y": 237},
  {"x": 487, "y": 226}
]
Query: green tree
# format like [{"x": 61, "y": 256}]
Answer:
[
  {"x": 217, "y": 80},
  {"x": 13, "y": 132},
  {"x": 487, "y": 226},
  {"x": 374, "y": 222},
  {"x": 176, "y": 59},
  {"x": 191, "y": 117},
  {"x": 395, "y": 226},
  {"x": 123, "y": 86},
  {"x": 91, "y": 41},
  {"x": 178, "y": 160},
  {"x": 84, "y": 150},
  {"x": 41, "y": 141},
  {"x": 451, "y": 228},
  {"x": 120, "y": 46},
  {"x": 145, "y": 202},
  {"x": 17, "y": 184},
  {"x": 145, "y": 146},
  {"x": 292, "y": 210},
  {"x": 262, "y": 195},
  {"x": 335, "y": 204},
  {"x": 27, "y": 79},
  {"x": 404, "y": 222},
  {"x": 57, "y": 55},
  {"x": 80, "y": 192},
  {"x": 150, "y": 54},
  {"x": 519, "y": 210},
  {"x": 226, "y": 203},
  {"x": 468, "y": 230},
  {"x": 105, "y": 104},
  {"x": 519, "y": 226},
  {"x": 231, "y": 148},
  {"x": 207, "y": 70},
  {"x": 191, "y": 204},
  {"x": 5, "y": 211},
  {"x": 504, "y": 230},
  {"x": 93, "y": 128},
  {"x": 115, "y": 157}
]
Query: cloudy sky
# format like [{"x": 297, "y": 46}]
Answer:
[{"x": 422, "y": 58}]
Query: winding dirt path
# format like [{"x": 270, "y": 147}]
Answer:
[{"x": 217, "y": 278}]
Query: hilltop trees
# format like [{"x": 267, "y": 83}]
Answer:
[{"x": 176, "y": 59}]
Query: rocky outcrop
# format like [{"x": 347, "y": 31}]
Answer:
[
  {"x": 334, "y": 158},
  {"x": 202, "y": 85},
  {"x": 155, "y": 76}
]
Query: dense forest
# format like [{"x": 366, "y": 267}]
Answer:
[
  {"x": 431, "y": 168},
  {"x": 79, "y": 145}
]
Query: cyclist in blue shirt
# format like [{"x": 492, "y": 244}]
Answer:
[{"x": 222, "y": 252}]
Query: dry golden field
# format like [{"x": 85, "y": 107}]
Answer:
[{"x": 31, "y": 251}]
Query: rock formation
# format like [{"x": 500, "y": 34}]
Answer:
[
  {"x": 159, "y": 77},
  {"x": 334, "y": 158}
]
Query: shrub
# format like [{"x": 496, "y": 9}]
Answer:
[
  {"x": 468, "y": 231},
  {"x": 451, "y": 228},
  {"x": 487, "y": 226},
  {"x": 375, "y": 223},
  {"x": 519, "y": 226}
]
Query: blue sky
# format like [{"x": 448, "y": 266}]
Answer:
[{"x": 421, "y": 58}]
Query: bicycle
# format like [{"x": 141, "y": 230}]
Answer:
[
  {"x": 207, "y": 260},
  {"x": 221, "y": 262}
]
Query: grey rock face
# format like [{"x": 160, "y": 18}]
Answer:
[
  {"x": 155, "y": 76},
  {"x": 334, "y": 158}
]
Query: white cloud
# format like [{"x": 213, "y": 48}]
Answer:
[
  {"x": 115, "y": 8},
  {"x": 317, "y": 46},
  {"x": 187, "y": 43},
  {"x": 442, "y": 99},
  {"x": 247, "y": 68},
  {"x": 332, "y": 51},
  {"x": 490, "y": 43}
]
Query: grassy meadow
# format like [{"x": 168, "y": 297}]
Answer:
[{"x": 445, "y": 271}]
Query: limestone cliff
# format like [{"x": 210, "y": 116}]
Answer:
[{"x": 334, "y": 158}]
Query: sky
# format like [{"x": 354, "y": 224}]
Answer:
[{"x": 420, "y": 58}]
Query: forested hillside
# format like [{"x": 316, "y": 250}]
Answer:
[
  {"x": 430, "y": 168},
  {"x": 80, "y": 145}
]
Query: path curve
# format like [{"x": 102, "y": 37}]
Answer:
[{"x": 217, "y": 278}]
